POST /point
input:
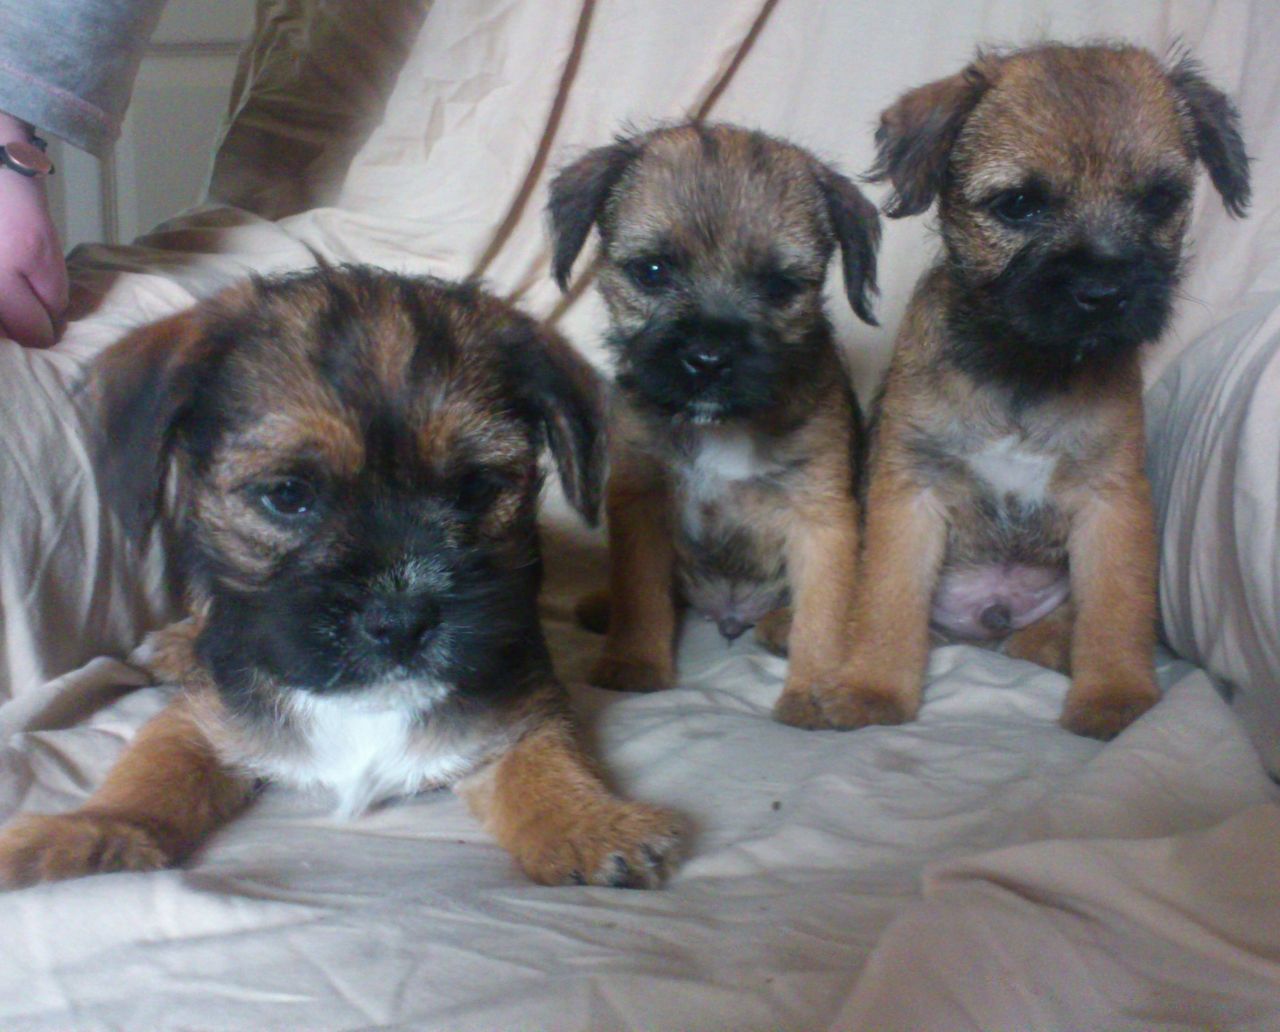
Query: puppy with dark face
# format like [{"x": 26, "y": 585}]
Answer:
[
  {"x": 1007, "y": 500},
  {"x": 734, "y": 432},
  {"x": 356, "y": 457}
]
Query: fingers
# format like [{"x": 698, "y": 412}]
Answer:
[
  {"x": 23, "y": 315},
  {"x": 33, "y": 274}
]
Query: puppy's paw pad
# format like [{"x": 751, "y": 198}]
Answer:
[
  {"x": 774, "y": 631},
  {"x": 592, "y": 612},
  {"x": 629, "y": 675},
  {"x": 1104, "y": 718},
  {"x": 39, "y": 848},
  {"x": 627, "y": 846}
]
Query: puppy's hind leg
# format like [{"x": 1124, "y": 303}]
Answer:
[
  {"x": 166, "y": 794},
  {"x": 592, "y": 612},
  {"x": 774, "y": 631},
  {"x": 1046, "y": 642},
  {"x": 546, "y": 805}
]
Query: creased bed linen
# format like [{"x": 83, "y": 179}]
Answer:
[{"x": 806, "y": 846}]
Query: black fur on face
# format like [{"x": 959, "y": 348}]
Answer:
[
  {"x": 705, "y": 369},
  {"x": 390, "y": 588},
  {"x": 715, "y": 241},
  {"x": 1064, "y": 177},
  {"x": 357, "y": 455},
  {"x": 1053, "y": 311}
]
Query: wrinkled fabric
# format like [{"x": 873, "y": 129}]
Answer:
[{"x": 1214, "y": 464}]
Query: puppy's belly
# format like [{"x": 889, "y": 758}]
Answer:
[
  {"x": 730, "y": 555},
  {"x": 981, "y": 603},
  {"x": 734, "y": 605}
]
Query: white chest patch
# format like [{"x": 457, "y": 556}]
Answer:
[
  {"x": 1010, "y": 468},
  {"x": 726, "y": 455},
  {"x": 361, "y": 752},
  {"x": 719, "y": 459}
]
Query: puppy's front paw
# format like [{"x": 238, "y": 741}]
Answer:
[
  {"x": 39, "y": 848},
  {"x": 168, "y": 654},
  {"x": 620, "y": 845},
  {"x": 839, "y": 706},
  {"x": 774, "y": 631},
  {"x": 1104, "y": 713},
  {"x": 797, "y": 706},
  {"x": 622, "y": 674}
]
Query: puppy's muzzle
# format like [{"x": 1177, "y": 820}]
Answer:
[
  {"x": 1098, "y": 287},
  {"x": 707, "y": 349},
  {"x": 399, "y": 626},
  {"x": 1099, "y": 297}
]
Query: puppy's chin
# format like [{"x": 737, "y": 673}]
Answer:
[
  {"x": 1026, "y": 331},
  {"x": 704, "y": 413}
]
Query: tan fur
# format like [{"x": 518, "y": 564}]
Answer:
[
  {"x": 1090, "y": 129},
  {"x": 545, "y": 803},
  {"x": 1046, "y": 642},
  {"x": 727, "y": 202},
  {"x": 165, "y": 796}
]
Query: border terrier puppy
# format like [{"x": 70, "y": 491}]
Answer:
[
  {"x": 357, "y": 462},
  {"x": 734, "y": 431},
  {"x": 1007, "y": 498}
]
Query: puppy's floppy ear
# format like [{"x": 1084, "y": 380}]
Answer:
[
  {"x": 578, "y": 193},
  {"x": 566, "y": 398},
  {"x": 916, "y": 134},
  {"x": 1216, "y": 130},
  {"x": 857, "y": 227},
  {"x": 137, "y": 389}
]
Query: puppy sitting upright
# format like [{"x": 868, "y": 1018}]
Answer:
[
  {"x": 734, "y": 431},
  {"x": 1007, "y": 498},
  {"x": 357, "y": 460}
]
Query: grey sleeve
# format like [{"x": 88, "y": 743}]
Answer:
[{"x": 67, "y": 66}]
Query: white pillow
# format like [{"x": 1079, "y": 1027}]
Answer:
[{"x": 1213, "y": 427}]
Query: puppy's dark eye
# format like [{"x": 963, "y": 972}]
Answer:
[
  {"x": 289, "y": 499},
  {"x": 779, "y": 288},
  {"x": 650, "y": 274},
  {"x": 1161, "y": 201},
  {"x": 1019, "y": 207},
  {"x": 477, "y": 489}
]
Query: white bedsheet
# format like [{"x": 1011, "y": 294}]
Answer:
[{"x": 807, "y": 846}]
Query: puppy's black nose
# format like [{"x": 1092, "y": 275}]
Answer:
[
  {"x": 706, "y": 362},
  {"x": 398, "y": 626},
  {"x": 1099, "y": 297}
]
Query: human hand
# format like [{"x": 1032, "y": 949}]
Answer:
[{"x": 33, "y": 274}]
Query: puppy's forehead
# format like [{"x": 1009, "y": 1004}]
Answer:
[
  {"x": 346, "y": 368},
  {"x": 718, "y": 190},
  {"x": 1078, "y": 118}
]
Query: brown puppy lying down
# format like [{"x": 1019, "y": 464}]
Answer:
[{"x": 356, "y": 461}]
